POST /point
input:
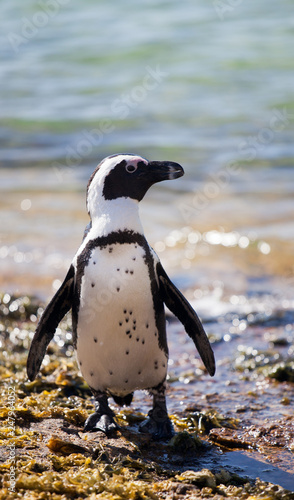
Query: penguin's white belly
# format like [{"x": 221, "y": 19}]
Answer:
[{"x": 117, "y": 337}]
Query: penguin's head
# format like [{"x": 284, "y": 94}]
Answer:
[{"x": 128, "y": 176}]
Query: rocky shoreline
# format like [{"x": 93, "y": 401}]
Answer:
[{"x": 46, "y": 455}]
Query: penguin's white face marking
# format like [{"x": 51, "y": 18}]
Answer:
[
  {"x": 126, "y": 165},
  {"x": 129, "y": 163}
]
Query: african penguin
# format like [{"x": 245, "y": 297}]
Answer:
[{"x": 117, "y": 288}]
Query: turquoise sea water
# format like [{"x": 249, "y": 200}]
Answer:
[{"x": 207, "y": 84}]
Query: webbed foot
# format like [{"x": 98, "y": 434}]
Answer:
[
  {"x": 103, "y": 418},
  {"x": 160, "y": 429},
  {"x": 98, "y": 422},
  {"x": 158, "y": 423}
]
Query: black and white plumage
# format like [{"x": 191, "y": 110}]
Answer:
[{"x": 117, "y": 288}]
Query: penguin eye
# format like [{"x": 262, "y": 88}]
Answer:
[{"x": 130, "y": 168}]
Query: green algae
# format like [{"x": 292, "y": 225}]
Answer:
[{"x": 282, "y": 372}]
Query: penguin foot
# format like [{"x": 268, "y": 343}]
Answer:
[
  {"x": 98, "y": 422},
  {"x": 159, "y": 428},
  {"x": 102, "y": 419}
]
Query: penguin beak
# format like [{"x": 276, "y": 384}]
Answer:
[{"x": 165, "y": 170}]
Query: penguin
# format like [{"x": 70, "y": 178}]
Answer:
[{"x": 117, "y": 290}]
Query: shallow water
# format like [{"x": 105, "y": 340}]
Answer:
[{"x": 207, "y": 87}]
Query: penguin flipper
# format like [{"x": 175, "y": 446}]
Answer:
[
  {"x": 181, "y": 308},
  {"x": 59, "y": 305}
]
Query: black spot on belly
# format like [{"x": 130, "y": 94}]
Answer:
[
  {"x": 139, "y": 372},
  {"x": 118, "y": 269},
  {"x": 127, "y": 352},
  {"x": 134, "y": 328},
  {"x": 147, "y": 326},
  {"x": 134, "y": 258},
  {"x": 130, "y": 312},
  {"x": 110, "y": 372},
  {"x": 143, "y": 341},
  {"x": 80, "y": 363},
  {"x": 131, "y": 272},
  {"x": 92, "y": 285},
  {"x": 118, "y": 289},
  {"x": 163, "y": 364},
  {"x": 134, "y": 321},
  {"x": 126, "y": 271},
  {"x": 128, "y": 332},
  {"x": 120, "y": 323},
  {"x": 137, "y": 339},
  {"x": 155, "y": 334},
  {"x": 156, "y": 365},
  {"x": 91, "y": 373},
  {"x": 127, "y": 320},
  {"x": 126, "y": 381},
  {"x": 95, "y": 340},
  {"x": 125, "y": 311},
  {"x": 94, "y": 263},
  {"x": 110, "y": 250}
]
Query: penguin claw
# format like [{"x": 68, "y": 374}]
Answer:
[
  {"x": 160, "y": 430},
  {"x": 98, "y": 422}
]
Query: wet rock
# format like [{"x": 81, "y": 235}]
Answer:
[
  {"x": 229, "y": 438},
  {"x": 200, "y": 478},
  {"x": 278, "y": 433}
]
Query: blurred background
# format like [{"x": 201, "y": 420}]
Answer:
[{"x": 208, "y": 84}]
